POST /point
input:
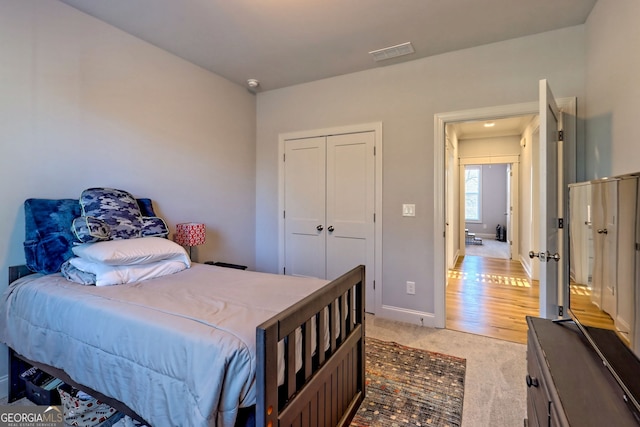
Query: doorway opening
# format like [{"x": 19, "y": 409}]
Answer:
[
  {"x": 445, "y": 156},
  {"x": 488, "y": 285},
  {"x": 487, "y": 208}
]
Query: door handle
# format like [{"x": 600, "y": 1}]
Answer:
[
  {"x": 330, "y": 228},
  {"x": 603, "y": 231},
  {"x": 555, "y": 257},
  {"x": 541, "y": 255},
  {"x": 320, "y": 227}
]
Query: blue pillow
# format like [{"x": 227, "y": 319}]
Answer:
[
  {"x": 117, "y": 208},
  {"x": 48, "y": 233},
  {"x": 88, "y": 229},
  {"x": 48, "y": 236}
]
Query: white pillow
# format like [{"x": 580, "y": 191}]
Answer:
[
  {"x": 142, "y": 250},
  {"x": 107, "y": 275}
]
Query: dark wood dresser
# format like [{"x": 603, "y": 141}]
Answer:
[{"x": 567, "y": 383}]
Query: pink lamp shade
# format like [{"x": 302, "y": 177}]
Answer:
[{"x": 190, "y": 234}]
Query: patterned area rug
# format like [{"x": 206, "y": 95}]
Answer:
[{"x": 410, "y": 387}]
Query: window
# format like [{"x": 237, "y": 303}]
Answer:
[{"x": 473, "y": 193}]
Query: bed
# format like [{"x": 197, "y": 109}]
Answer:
[{"x": 295, "y": 358}]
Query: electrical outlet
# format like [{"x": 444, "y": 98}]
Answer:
[{"x": 411, "y": 288}]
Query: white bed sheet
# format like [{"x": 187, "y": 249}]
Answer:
[{"x": 178, "y": 350}]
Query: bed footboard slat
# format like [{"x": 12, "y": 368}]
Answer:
[
  {"x": 333, "y": 385},
  {"x": 307, "y": 348}
]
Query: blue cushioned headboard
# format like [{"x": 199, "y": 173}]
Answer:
[{"x": 48, "y": 235}]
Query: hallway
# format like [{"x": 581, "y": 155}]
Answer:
[{"x": 491, "y": 297}]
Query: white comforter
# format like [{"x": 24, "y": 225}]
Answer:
[{"x": 179, "y": 350}]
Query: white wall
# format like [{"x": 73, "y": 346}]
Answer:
[
  {"x": 83, "y": 104},
  {"x": 612, "y": 89},
  {"x": 405, "y": 98}
]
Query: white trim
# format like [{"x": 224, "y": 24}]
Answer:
[
  {"x": 405, "y": 315},
  {"x": 489, "y": 160},
  {"x": 375, "y": 127},
  {"x": 440, "y": 121}
]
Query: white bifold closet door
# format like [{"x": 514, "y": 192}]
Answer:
[{"x": 329, "y": 205}]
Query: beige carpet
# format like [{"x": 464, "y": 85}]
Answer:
[{"x": 494, "y": 386}]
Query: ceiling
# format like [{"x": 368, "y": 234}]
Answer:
[
  {"x": 286, "y": 42},
  {"x": 511, "y": 126}
]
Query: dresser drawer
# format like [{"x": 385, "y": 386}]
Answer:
[{"x": 538, "y": 397}]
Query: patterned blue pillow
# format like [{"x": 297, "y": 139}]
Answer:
[
  {"x": 153, "y": 226},
  {"x": 118, "y": 209},
  {"x": 88, "y": 229}
]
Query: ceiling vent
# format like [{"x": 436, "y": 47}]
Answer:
[{"x": 392, "y": 52}]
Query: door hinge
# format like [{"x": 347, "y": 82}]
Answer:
[
  {"x": 374, "y": 217},
  {"x": 284, "y": 270},
  {"x": 284, "y": 157},
  {"x": 374, "y": 284},
  {"x": 374, "y": 150},
  {"x": 560, "y": 222},
  {"x": 560, "y": 311},
  {"x": 284, "y": 214},
  {"x": 561, "y": 135}
]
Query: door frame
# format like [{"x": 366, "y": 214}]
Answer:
[
  {"x": 376, "y": 128},
  {"x": 569, "y": 108}
]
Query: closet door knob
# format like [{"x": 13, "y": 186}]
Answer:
[
  {"x": 330, "y": 228},
  {"x": 320, "y": 227}
]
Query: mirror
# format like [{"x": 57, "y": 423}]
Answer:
[{"x": 603, "y": 219}]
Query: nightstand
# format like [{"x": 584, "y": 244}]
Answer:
[{"x": 227, "y": 265}]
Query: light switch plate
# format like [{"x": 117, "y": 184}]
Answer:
[{"x": 408, "y": 210}]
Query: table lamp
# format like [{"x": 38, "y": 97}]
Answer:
[{"x": 190, "y": 234}]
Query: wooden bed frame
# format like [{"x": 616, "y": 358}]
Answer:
[{"x": 326, "y": 391}]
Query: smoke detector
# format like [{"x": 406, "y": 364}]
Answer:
[
  {"x": 253, "y": 83},
  {"x": 392, "y": 51}
]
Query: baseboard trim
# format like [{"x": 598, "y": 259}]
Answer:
[
  {"x": 413, "y": 317},
  {"x": 526, "y": 266}
]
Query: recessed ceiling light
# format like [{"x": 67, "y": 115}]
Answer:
[{"x": 489, "y": 124}]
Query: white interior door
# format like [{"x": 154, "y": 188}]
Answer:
[
  {"x": 551, "y": 191},
  {"x": 351, "y": 206},
  {"x": 599, "y": 221},
  {"x": 305, "y": 189},
  {"x": 610, "y": 255},
  {"x": 329, "y": 207}
]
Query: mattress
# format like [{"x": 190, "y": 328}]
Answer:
[{"x": 178, "y": 350}]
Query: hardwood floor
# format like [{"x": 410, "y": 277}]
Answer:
[{"x": 491, "y": 297}]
